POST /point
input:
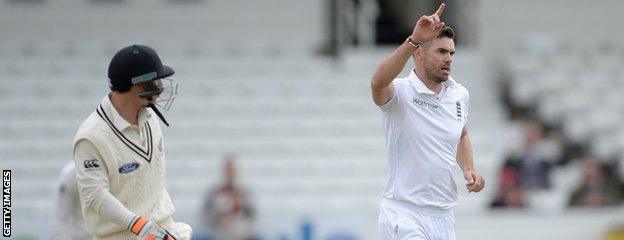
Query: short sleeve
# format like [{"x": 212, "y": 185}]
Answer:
[{"x": 390, "y": 104}]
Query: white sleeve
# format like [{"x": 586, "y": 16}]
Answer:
[
  {"x": 388, "y": 105},
  {"x": 93, "y": 185}
]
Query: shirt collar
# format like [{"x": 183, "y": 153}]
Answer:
[
  {"x": 422, "y": 88},
  {"x": 117, "y": 120}
]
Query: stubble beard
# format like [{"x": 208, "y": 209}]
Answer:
[{"x": 431, "y": 74}]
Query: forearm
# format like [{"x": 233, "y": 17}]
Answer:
[
  {"x": 391, "y": 66},
  {"x": 464, "y": 154},
  {"x": 427, "y": 28}
]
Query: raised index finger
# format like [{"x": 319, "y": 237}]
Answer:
[{"x": 440, "y": 10}]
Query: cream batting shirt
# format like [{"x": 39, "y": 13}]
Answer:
[{"x": 422, "y": 131}]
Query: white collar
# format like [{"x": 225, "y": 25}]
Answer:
[{"x": 119, "y": 122}]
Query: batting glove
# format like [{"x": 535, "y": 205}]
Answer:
[{"x": 147, "y": 230}]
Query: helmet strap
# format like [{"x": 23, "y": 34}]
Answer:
[{"x": 153, "y": 107}]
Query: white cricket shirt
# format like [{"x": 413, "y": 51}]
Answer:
[{"x": 422, "y": 131}]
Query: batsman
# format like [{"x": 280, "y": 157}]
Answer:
[{"x": 120, "y": 156}]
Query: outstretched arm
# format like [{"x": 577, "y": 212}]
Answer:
[
  {"x": 426, "y": 29},
  {"x": 476, "y": 182}
]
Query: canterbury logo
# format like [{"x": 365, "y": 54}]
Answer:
[{"x": 91, "y": 163}]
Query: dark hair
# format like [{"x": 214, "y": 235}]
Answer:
[
  {"x": 120, "y": 89},
  {"x": 446, "y": 32}
]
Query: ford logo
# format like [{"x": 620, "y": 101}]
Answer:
[{"x": 129, "y": 167}]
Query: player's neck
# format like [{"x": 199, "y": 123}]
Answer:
[
  {"x": 125, "y": 107},
  {"x": 429, "y": 83}
]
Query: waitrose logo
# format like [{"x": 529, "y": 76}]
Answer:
[{"x": 420, "y": 102}]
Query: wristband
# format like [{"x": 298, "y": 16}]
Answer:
[{"x": 415, "y": 45}]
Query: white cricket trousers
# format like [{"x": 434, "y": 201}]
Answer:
[{"x": 397, "y": 224}]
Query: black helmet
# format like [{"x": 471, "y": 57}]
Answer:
[
  {"x": 135, "y": 64},
  {"x": 139, "y": 64}
]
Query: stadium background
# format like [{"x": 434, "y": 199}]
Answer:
[{"x": 274, "y": 82}]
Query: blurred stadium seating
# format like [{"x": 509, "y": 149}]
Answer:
[{"x": 573, "y": 89}]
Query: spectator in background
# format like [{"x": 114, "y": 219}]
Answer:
[
  {"x": 227, "y": 211},
  {"x": 532, "y": 162},
  {"x": 528, "y": 167},
  {"x": 509, "y": 192},
  {"x": 70, "y": 224},
  {"x": 599, "y": 188}
]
